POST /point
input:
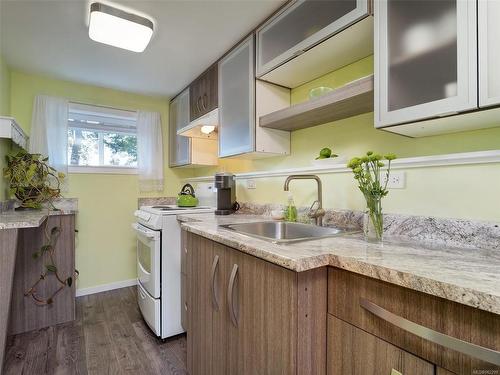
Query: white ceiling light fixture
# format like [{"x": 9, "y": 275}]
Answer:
[{"x": 118, "y": 28}]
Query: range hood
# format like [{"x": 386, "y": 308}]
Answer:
[{"x": 203, "y": 127}]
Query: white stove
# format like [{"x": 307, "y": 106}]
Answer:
[{"x": 159, "y": 266}]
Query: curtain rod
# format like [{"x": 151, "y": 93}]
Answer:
[{"x": 102, "y": 106}]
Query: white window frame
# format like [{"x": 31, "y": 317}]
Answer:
[{"x": 122, "y": 122}]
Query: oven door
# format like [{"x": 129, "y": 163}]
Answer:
[{"x": 148, "y": 259}]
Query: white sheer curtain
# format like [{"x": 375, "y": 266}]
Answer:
[
  {"x": 149, "y": 151},
  {"x": 49, "y": 131}
]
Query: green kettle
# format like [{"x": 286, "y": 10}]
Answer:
[{"x": 186, "y": 197}]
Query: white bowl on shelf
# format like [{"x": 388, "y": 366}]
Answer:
[{"x": 330, "y": 161}]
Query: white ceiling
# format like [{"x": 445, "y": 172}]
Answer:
[{"x": 50, "y": 37}]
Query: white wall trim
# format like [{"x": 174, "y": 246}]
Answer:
[
  {"x": 102, "y": 170},
  {"x": 465, "y": 158},
  {"x": 105, "y": 287}
]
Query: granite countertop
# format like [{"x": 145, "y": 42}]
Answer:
[
  {"x": 12, "y": 219},
  {"x": 467, "y": 276},
  {"x": 28, "y": 219}
]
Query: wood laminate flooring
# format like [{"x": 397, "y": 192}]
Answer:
[{"x": 108, "y": 336}]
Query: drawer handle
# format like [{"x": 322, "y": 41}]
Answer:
[
  {"x": 482, "y": 353},
  {"x": 230, "y": 292},
  {"x": 215, "y": 263}
]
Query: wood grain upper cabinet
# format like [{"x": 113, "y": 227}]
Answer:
[
  {"x": 489, "y": 53},
  {"x": 302, "y": 25},
  {"x": 179, "y": 147},
  {"x": 203, "y": 93},
  {"x": 425, "y": 59}
]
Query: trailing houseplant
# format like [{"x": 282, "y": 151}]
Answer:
[
  {"x": 31, "y": 180},
  {"x": 36, "y": 184},
  {"x": 368, "y": 172}
]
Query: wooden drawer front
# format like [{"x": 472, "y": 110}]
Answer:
[
  {"x": 346, "y": 289},
  {"x": 355, "y": 352}
]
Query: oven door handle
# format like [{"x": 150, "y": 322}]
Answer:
[{"x": 142, "y": 232}]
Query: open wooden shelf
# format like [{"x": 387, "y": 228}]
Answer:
[
  {"x": 350, "y": 100},
  {"x": 431, "y": 55}
]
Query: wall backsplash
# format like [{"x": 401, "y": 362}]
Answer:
[{"x": 425, "y": 230}]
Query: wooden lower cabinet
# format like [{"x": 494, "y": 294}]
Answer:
[
  {"x": 247, "y": 316},
  {"x": 244, "y": 315},
  {"x": 356, "y": 352},
  {"x": 346, "y": 290},
  {"x": 25, "y": 314}
]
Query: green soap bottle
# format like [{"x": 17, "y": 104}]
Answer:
[{"x": 291, "y": 211}]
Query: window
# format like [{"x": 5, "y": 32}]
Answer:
[{"x": 101, "y": 137}]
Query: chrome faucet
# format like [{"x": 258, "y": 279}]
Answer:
[{"x": 319, "y": 212}]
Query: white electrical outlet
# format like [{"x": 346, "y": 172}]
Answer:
[
  {"x": 251, "y": 184},
  {"x": 397, "y": 179}
]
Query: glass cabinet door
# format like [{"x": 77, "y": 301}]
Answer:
[
  {"x": 180, "y": 147},
  {"x": 489, "y": 52},
  {"x": 301, "y": 25},
  {"x": 236, "y": 100},
  {"x": 425, "y": 56}
]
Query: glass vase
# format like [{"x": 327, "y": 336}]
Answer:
[{"x": 373, "y": 226}]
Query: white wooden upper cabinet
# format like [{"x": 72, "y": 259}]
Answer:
[
  {"x": 179, "y": 146},
  {"x": 237, "y": 100},
  {"x": 425, "y": 59},
  {"x": 9, "y": 128},
  {"x": 242, "y": 100},
  {"x": 489, "y": 52},
  {"x": 300, "y": 26}
]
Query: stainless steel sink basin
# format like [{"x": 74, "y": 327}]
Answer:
[{"x": 284, "y": 232}]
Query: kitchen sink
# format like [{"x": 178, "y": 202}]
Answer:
[{"x": 285, "y": 232}]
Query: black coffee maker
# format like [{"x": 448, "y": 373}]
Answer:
[{"x": 226, "y": 194}]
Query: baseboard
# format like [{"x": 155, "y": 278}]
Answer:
[{"x": 105, "y": 287}]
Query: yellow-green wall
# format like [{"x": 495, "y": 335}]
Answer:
[
  {"x": 4, "y": 111},
  {"x": 459, "y": 191},
  {"x": 4, "y": 88},
  {"x": 105, "y": 242}
]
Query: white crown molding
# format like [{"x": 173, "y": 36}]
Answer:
[
  {"x": 105, "y": 287},
  {"x": 465, "y": 158}
]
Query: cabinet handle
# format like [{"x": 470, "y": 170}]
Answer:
[
  {"x": 230, "y": 292},
  {"x": 198, "y": 104},
  {"x": 482, "y": 353},
  {"x": 204, "y": 102},
  {"x": 215, "y": 263}
]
